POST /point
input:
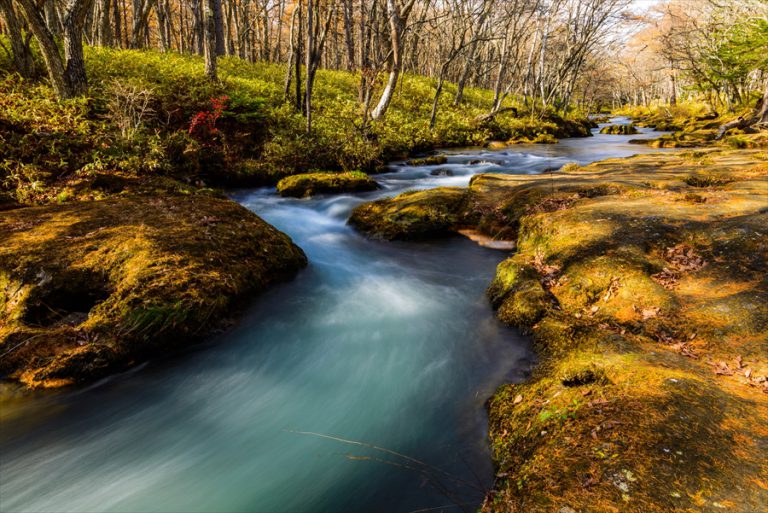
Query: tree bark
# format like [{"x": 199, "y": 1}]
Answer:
[
  {"x": 218, "y": 22},
  {"x": 118, "y": 40},
  {"x": 397, "y": 19},
  {"x": 22, "y": 57},
  {"x": 61, "y": 72},
  {"x": 308, "y": 64},
  {"x": 209, "y": 48},
  {"x": 74, "y": 71},
  {"x": 758, "y": 117},
  {"x": 348, "y": 34}
]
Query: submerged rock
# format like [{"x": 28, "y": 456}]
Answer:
[
  {"x": 310, "y": 184},
  {"x": 90, "y": 288}
]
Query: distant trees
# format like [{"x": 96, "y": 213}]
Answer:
[
  {"x": 716, "y": 49},
  {"x": 542, "y": 51}
]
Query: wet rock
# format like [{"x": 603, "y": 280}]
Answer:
[
  {"x": 412, "y": 215},
  {"x": 310, "y": 184}
]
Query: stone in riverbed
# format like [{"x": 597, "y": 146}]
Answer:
[
  {"x": 412, "y": 215},
  {"x": 433, "y": 160},
  {"x": 310, "y": 184},
  {"x": 619, "y": 129}
]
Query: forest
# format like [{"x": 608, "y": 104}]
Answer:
[{"x": 384, "y": 255}]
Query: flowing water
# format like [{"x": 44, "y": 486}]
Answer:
[{"x": 390, "y": 344}]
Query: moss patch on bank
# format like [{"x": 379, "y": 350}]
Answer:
[
  {"x": 644, "y": 284},
  {"x": 93, "y": 287},
  {"x": 310, "y": 184}
]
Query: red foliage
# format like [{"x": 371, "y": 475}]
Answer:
[{"x": 203, "y": 124}]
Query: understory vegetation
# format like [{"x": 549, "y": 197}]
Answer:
[{"x": 152, "y": 121}]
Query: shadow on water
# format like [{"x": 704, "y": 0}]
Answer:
[{"x": 390, "y": 344}]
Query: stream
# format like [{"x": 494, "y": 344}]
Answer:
[{"x": 391, "y": 345}]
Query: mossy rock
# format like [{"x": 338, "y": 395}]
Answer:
[
  {"x": 310, "y": 184},
  {"x": 255, "y": 173},
  {"x": 497, "y": 145},
  {"x": 89, "y": 288},
  {"x": 629, "y": 129},
  {"x": 544, "y": 139},
  {"x": 412, "y": 215},
  {"x": 433, "y": 160}
]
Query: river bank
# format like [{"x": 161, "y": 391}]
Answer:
[{"x": 642, "y": 282}]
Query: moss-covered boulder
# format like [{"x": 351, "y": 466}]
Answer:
[
  {"x": 629, "y": 129},
  {"x": 432, "y": 160},
  {"x": 93, "y": 287},
  {"x": 310, "y": 184},
  {"x": 412, "y": 215}
]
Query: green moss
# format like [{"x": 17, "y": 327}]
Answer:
[
  {"x": 91, "y": 287},
  {"x": 619, "y": 129},
  {"x": 544, "y": 139},
  {"x": 412, "y": 215},
  {"x": 310, "y": 184},
  {"x": 433, "y": 160},
  {"x": 525, "y": 304}
]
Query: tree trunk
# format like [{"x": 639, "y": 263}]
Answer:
[
  {"x": 218, "y": 22},
  {"x": 309, "y": 64},
  {"x": 48, "y": 48},
  {"x": 118, "y": 40},
  {"x": 759, "y": 117},
  {"x": 197, "y": 26},
  {"x": 438, "y": 91},
  {"x": 22, "y": 57},
  {"x": 397, "y": 20},
  {"x": 52, "y": 18},
  {"x": 291, "y": 57},
  {"x": 297, "y": 62},
  {"x": 348, "y": 35},
  {"x": 209, "y": 48},
  {"x": 74, "y": 72}
]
